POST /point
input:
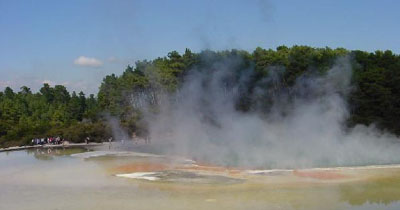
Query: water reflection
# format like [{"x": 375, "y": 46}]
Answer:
[
  {"x": 50, "y": 153},
  {"x": 380, "y": 190}
]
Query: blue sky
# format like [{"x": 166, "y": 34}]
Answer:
[{"x": 78, "y": 42}]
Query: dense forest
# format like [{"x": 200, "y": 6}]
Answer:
[
  {"x": 53, "y": 111},
  {"x": 375, "y": 96}
]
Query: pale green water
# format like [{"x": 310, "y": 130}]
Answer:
[{"x": 37, "y": 180}]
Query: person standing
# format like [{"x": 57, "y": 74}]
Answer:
[{"x": 109, "y": 142}]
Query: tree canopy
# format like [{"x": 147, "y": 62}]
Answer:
[{"x": 375, "y": 97}]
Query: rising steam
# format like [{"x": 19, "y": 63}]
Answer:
[{"x": 305, "y": 125}]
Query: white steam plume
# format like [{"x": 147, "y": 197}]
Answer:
[{"x": 305, "y": 126}]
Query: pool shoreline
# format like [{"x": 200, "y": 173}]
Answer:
[{"x": 9, "y": 149}]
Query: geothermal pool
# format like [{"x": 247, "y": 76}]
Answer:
[{"x": 77, "y": 178}]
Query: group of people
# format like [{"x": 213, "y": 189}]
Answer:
[{"x": 47, "y": 140}]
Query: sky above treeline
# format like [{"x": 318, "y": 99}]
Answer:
[{"x": 77, "y": 42}]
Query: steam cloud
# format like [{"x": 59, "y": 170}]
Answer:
[{"x": 304, "y": 127}]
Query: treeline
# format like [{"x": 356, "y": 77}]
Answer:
[
  {"x": 375, "y": 97},
  {"x": 376, "y": 81},
  {"x": 53, "y": 111}
]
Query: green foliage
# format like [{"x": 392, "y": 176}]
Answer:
[
  {"x": 54, "y": 111},
  {"x": 25, "y": 115},
  {"x": 376, "y": 81},
  {"x": 376, "y": 98},
  {"x": 75, "y": 133}
]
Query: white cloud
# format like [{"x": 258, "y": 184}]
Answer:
[{"x": 86, "y": 61}]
